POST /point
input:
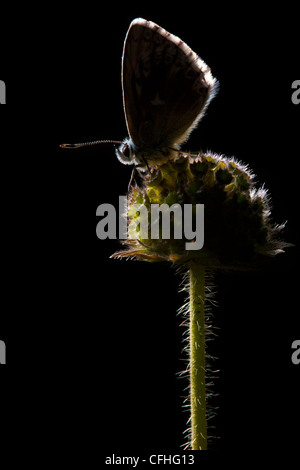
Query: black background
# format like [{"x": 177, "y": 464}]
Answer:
[{"x": 94, "y": 344}]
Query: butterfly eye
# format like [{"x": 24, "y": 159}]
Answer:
[{"x": 125, "y": 154}]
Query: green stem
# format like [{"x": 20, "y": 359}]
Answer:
[{"x": 197, "y": 357}]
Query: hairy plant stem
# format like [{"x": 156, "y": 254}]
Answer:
[{"x": 197, "y": 357}]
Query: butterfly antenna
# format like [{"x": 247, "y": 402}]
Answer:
[{"x": 87, "y": 144}]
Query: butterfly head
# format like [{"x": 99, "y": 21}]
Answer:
[
  {"x": 143, "y": 157},
  {"x": 126, "y": 152}
]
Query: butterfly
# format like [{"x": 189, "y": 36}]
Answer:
[{"x": 166, "y": 90}]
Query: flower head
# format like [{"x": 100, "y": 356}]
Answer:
[{"x": 238, "y": 230}]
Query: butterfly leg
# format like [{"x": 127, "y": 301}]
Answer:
[
  {"x": 131, "y": 178},
  {"x": 146, "y": 163}
]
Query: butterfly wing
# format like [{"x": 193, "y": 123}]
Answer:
[{"x": 166, "y": 86}]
